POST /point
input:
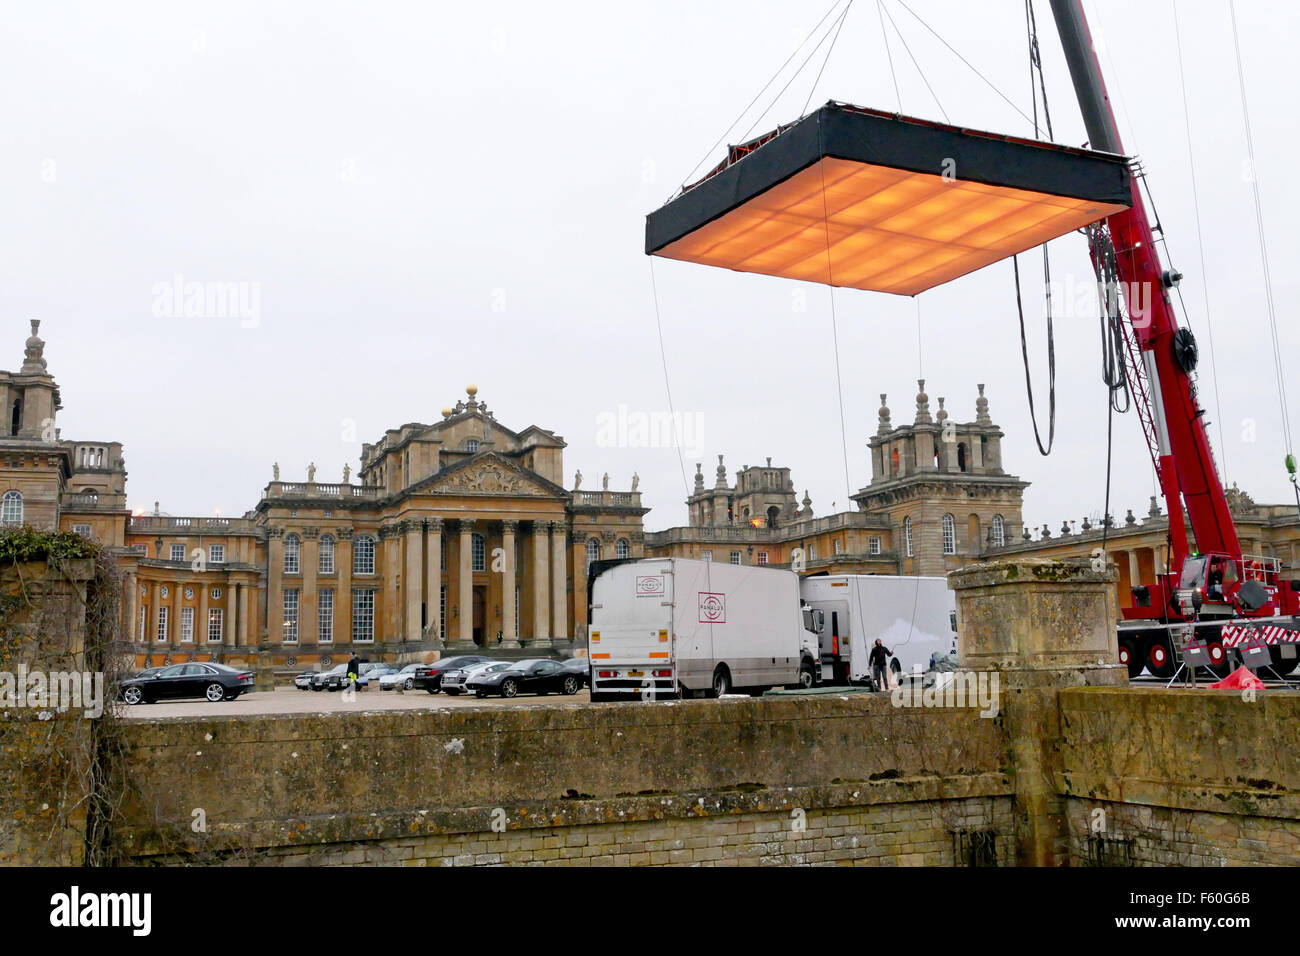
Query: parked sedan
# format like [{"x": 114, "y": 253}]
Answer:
[
  {"x": 405, "y": 678},
  {"x": 336, "y": 678},
  {"x": 303, "y": 680},
  {"x": 212, "y": 682},
  {"x": 454, "y": 679},
  {"x": 429, "y": 676},
  {"x": 534, "y": 676}
]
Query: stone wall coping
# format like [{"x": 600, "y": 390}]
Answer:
[{"x": 1020, "y": 571}]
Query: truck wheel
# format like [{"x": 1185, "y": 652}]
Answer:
[
  {"x": 1283, "y": 665},
  {"x": 1159, "y": 656},
  {"x": 721, "y": 682},
  {"x": 806, "y": 677},
  {"x": 1129, "y": 656}
]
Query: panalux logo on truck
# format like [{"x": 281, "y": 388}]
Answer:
[
  {"x": 713, "y": 608},
  {"x": 650, "y": 585}
]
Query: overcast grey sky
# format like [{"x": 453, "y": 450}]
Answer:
[{"x": 427, "y": 195}]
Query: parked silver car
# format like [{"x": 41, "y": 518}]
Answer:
[
  {"x": 405, "y": 679},
  {"x": 453, "y": 681}
]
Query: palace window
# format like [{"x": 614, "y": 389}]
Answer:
[
  {"x": 144, "y": 620},
  {"x": 622, "y": 550},
  {"x": 291, "y": 615},
  {"x": 216, "y": 624},
  {"x": 216, "y": 554},
  {"x": 706, "y": 555},
  {"x": 326, "y": 563},
  {"x": 11, "y": 507},
  {"x": 82, "y": 529},
  {"x": 839, "y": 546},
  {"x": 325, "y": 616},
  {"x": 478, "y": 551},
  {"x": 999, "y": 532},
  {"x": 162, "y": 624},
  {"x": 873, "y": 545},
  {"x": 593, "y": 550},
  {"x": 178, "y": 552},
  {"x": 292, "y": 549},
  {"x": 363, "y": 615},
  {"x": 471, "y": 445},
  {"x": 735, "y": 557},
  {"x": 762, "y": 557},
  {"x": 442, "y": 611},
  {"x": 363, "y": 555},
  {"x": 949, "y": 535},
  {"x": 907, "y": 535},
  {"x": 187, "y": 625},
  {"x": 216, "y": 594}
]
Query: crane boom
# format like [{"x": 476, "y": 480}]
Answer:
[{"x": 1185, "y": 462}]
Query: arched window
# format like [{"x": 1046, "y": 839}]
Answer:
[
  {"x": 471, "y": 445},
  {"x": 949, "y": 535},
  {"x": 479, "y": 552},
  {"x": 999, "y": 532},
  {"x": 621, "y": 550},
  {"x": 907, "y": 535},
  {"x": 292, "y": 549},
  {"x": 363, "y": 555},
  {"x": 593, "y": 550},
  {"x": 326, "y": 565},
  {"x": 11, "y": 507}
]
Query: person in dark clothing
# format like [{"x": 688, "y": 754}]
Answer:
[
  {"x": 879, "y": 660},
  {"x": 354, "y": 669}
]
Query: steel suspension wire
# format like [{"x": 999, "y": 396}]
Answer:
[
  {"x": 1200, "y": 241},
  {"x": 880, "y": 12},
  {"x": 663, "y": 357},
  {"x": 971, "y": 66},
  {"x": 835, "y": 332},
  {"x": 924, "y": 78},
  {"x": 830, "y": 49},
  {"x": 1263, "y": 246},
  {"x": 771, "y": 80}
]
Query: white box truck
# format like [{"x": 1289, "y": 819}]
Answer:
[
  {"x": 914, "y": 617},
  {"x": 664, "y": 626}
]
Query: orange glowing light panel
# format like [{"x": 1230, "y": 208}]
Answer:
[{"x": 914, "y": 206}]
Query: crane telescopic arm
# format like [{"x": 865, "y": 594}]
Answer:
[{"x": 1185, "y": 462}]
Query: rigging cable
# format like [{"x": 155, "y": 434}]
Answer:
[
  {"x": 968, "y": 63},
  {"x": 898, "y": 95},
  {"x": 924, "y": 78},
  {"x": 844, "y": 16},
  {"x": 1047, "y": 268},
  {"x": 663, "y": 357},
  {"x": 736, "y": 121},
  {"x": 830, "y": 288},
  {"x": 1200, "y": 243},
  {"x": 1263, "y": 248}
]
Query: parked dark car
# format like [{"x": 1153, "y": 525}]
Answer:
[
  {"x": 535, "y": 676},
  {"x": 336, "y": 678},
  {"x": 213, "y": 682},
  {"x": 580, "y": 666},
  {"x": 429, "y": 676}
]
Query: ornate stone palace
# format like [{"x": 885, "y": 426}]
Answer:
[
  {"x": 938, "y": 497},
  {"x": 455, "y": 535},
  {"x": 461, "y": 534}
]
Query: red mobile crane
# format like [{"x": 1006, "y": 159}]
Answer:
[{"x": 1216, "y": 584}]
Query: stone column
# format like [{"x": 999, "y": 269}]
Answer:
[
  {"x": 309, "y": 564},
  {"x": 274, "y": 590},
  {"x": 201, "y": 625},
  {"x": 174, "y": 614},
  {"x": 1037, "y": 625},
  {"x": 245, "y": 630},
  {"x": 343, "y": 593},
  {"x": 132, "y": 604},
  {"x": 465, "y": 585},
  {"x": 151, "y": 626},
  {"x": 509, "y": 626},
  {"x": 412, "y": 580},
  {"x": 433, "y": 585},
  {"x": 578, "y": 554},
  {"x": 388, "y": 623},
  {"x": 541, "y": 612},
  {"x": 560, "y": 632}
]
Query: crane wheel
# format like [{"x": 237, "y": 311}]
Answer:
[
  {"x": 1130, "y": 656},
  {"x": 1159, "y": 656}
]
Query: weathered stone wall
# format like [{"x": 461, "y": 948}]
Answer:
[
  {"x": 773, "y": 780},
  {"x": 44, "y": 755},
  {"x": 1193, "y": 777}
]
